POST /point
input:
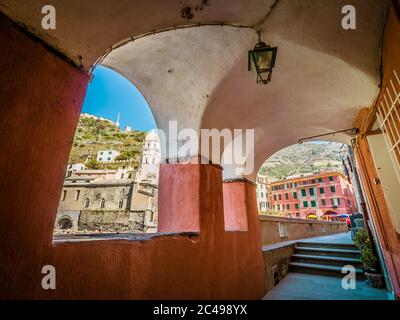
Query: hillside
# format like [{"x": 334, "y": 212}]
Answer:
[
  {"x": 304, "y": 158},
  {"x": 93, "y": 135}
]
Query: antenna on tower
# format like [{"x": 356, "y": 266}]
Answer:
[{"x": 117, "y": 123}]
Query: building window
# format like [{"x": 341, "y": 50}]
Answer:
[
  {"x": 296, "y": 205},
  {"x": 335, "y": 202},
  {"x": 305, "y": 204},
  {"x": 323, "y": 202},
  {"x": 274, "y": 197},
  {"x": 295, "y": 195},
  {"x": 311, "y": 191},
  {"x": 279, "y": 197},
  {"x": 87, "y": 203},
  {"x": 282, "y": 230},
  {"x": 287, "y": 196},
  {"x": 303, "y": 192},
  {"x": 333, "y": 189},
  {"x": 78, "y": 192},
  {"x": 319, "y": 179},
  {"x": 313, "y": 204},
  {"x": 330, "y": 178},
  {"x": 321, "y": 190},
  {"x": 313, "y": 181},
  {"x": 102, "y": 203},
  {"x": 288, "y": 206},
  {"x": 64, "y": 195}
]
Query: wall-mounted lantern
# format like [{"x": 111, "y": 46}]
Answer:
[{"x": 262, "y": 60}]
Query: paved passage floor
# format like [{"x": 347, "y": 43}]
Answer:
[
  {"x": 332, "y": 238},
  {"x": 303, "y": 286}
]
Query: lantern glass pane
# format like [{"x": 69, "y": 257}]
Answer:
[{"x": 263, "y": 59}]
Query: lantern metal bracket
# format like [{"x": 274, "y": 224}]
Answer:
[{"x": 351, "y": 132}]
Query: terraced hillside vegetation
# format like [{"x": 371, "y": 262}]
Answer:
[
  {"x": 304, "y": 158},
  {"x": 93, "y": 135}
]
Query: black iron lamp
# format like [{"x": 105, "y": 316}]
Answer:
[{"x": 262, "y": 60}]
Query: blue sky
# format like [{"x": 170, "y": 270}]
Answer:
[{"x": 109, "y": 93}]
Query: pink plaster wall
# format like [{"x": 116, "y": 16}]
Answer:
[{"x": 40, "y": 100}]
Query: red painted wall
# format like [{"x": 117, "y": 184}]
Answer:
[
  {"x": 40, "y": 100},
  {"x": 235, "y": 206}
]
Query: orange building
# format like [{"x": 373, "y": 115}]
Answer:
[{"x": 314, "y": 195}]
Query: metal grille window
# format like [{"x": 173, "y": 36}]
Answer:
[
  {"x": 389, "y": 119},
  {"x": 282, "y": 230}
]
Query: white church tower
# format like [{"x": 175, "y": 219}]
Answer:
[{"x": 151, "y": 158}]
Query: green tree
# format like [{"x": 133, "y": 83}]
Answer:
[{"x": 93, "y": 164}]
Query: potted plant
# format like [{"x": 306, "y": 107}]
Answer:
[{"x": 369, "y": 260}]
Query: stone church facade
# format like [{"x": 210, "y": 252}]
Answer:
[{"x": 106, "y": 201}]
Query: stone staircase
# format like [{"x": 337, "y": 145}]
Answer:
[{"x": 325, "y": 258}]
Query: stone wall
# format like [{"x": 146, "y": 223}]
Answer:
[
  {"x": 111, "y": 221},
  {"x": 112, "y": 195},
  {"x": 276, "y": 261},
  {"x": 296, "y": 228}
]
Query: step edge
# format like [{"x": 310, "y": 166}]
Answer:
[
  {"x": 327, "y": 244},
  {"x": 327, "y": 249},
  {"x": 333, "y": 258},
  {"x": 321, "y": 267}
]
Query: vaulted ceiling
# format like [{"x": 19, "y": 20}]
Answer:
[{"x": 198, "y": 76}]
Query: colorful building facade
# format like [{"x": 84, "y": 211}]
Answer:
[
  {"x": 263, "y": 193},
  {"x": 314, "y": 196}
]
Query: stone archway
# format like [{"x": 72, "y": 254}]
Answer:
[
  {"x": 116, "y": 263},
  {"x": 65, "y": 223}
]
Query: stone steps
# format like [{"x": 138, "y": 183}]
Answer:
[
  {"x": 344, "y": 246},
  {"x": 351, "y": 253},
  {"x": 325, "y": 258},
  {"x": 321, "y": 269}
]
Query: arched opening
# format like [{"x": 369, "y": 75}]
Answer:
[
  {"x": 65, "y": 223},
  {"x": 108, "y": 164},
  {"x": 312, "y": 182},
  {"x": 307, "y": 181}
]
